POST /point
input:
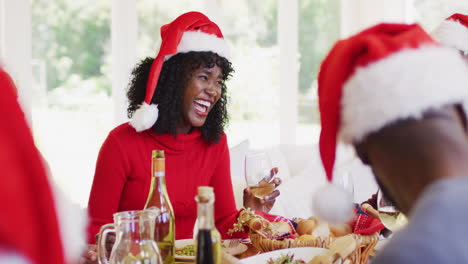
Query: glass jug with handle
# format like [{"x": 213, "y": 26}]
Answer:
[{"x": 134, "y": 242}]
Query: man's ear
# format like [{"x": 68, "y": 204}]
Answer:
[
  {"x": 362, "y": 153},
  {"x": 462, "y": 115}
]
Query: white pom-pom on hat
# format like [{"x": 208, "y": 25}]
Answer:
[
  {"x": 333, "y": 204},
  {"x": 144, "y": 117}
]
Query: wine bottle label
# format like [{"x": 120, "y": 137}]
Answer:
[{"x": 158, "y": 173}]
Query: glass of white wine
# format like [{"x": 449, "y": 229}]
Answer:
[
  {"x": 258, "y": 174},
  {"x": 391, "y": 217}
]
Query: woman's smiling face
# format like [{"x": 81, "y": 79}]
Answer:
[{"x": 202, "y": 92}]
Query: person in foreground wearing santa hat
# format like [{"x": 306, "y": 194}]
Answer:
[
  {"x": 395, "y": 94},
  {"x": 178, "y": 104},
  {"x": 37, "y": 223},
  {"x": 453, "y": 32}
]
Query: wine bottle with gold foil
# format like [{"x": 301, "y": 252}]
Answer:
[
  {"x": 208, "y": 239},
  {"x": 164, "y": 233}
]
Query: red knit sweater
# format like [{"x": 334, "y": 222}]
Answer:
[{"x": 123, "y": 176}]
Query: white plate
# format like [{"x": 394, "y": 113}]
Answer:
[
  {"x": 182, "y": 243},
  {"x": 231, "y": 250},
  {"x": 304, "y": 253},
  {"x": 234, "y": 250}
]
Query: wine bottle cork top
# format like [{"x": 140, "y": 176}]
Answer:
[
  {"x": 205, "y": 191},
  {"x": 158, "y": 154}
]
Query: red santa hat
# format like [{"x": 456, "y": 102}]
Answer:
[
  {"x": 28, "y": 224},
  {"x": 385, "y": 73},
  {"x": 192, "y": 31},
  {"x": 453, "y": 32}
]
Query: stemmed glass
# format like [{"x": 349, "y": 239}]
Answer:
[
  {"x": 345, "y": 180},
  {"x": 391, "y": 217},
  {"x": 258, "y": 174}
]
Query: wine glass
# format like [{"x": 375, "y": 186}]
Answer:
[
  {"x": 345, "y": 180},
  {"x": 258, "y": 174},
  {"x": 391, "y": 217}
]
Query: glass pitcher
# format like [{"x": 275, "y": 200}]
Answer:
[{"x": 134, "y": 242}]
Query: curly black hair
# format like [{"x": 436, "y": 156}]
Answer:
[{"x": 174, "y": 77}]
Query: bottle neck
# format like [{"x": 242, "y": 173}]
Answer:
[
  {"x": 205, "y": 214},
  {"x": 157, "y": 195},
  {"x": 160, "y": 182},
  {"x": 158, "y": 173}
]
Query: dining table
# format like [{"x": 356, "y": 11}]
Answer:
[{"x": 251, "y": 251}]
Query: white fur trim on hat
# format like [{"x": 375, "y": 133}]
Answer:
[
  {"x": 73, "y": 222},
  {"x": 402, "y": 85},
  {"x": 453, "y": 34},
  {"x": 144, "y": 117},
  {"x": 200, "y": 41}
]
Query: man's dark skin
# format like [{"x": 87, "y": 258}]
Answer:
[{"x": 409, "y": 155}]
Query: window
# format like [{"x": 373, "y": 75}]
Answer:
[
  {"x": 71, "y": 107},
  {"x": 152, "y": 14},
  {"x": 319, "y": 29},
  {"x": 254, "y": 90}
]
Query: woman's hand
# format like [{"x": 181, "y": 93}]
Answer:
[
  {"x": 265, "y": 204},
  {"x": 369, "y": 210}
]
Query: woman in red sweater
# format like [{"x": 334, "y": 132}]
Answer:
[{"x": 177, "y": 104}]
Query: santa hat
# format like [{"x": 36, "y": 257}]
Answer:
[
  {"x": 453, "y": 32},
  {"x": 28, "y": 224},
  {"x": 192, "y": 31},
  {"x": 385, "y": 73},
  {"x": 32, "y": 222}
]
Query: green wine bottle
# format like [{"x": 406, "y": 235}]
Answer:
[{"x": 164, "y": 231}]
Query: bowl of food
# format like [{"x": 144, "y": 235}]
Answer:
[{"x": 185, "y": 249}]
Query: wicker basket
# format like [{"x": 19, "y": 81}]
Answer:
[
  {"x": 359, "y": 256},
  {"x": 265, "y": 244},
  {"x": 354, "y": 248},
  {"x": 362, "y": 245}
]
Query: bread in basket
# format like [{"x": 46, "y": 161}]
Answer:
[{"x": 267, "y": 235}]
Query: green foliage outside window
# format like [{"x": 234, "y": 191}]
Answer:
[
  {"x": 319, "y": 28},
  {"x": 72, "y": 38}
]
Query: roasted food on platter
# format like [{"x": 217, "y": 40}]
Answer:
[
  {"x": 249, "y": 221},
  {"x": 306, "y": 229},
  {"x": 280, "y": 233}
]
